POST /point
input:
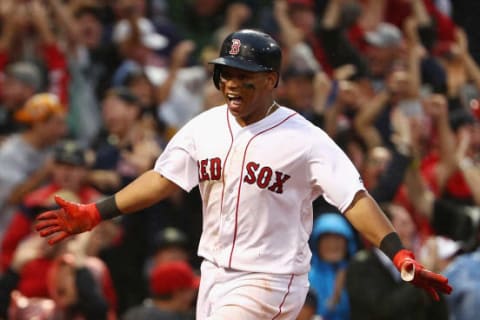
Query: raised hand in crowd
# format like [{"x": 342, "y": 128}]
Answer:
[
  {"x": 14, "y": 22},
  {"x": 289, "y": 33},
  {"x": 41, "y": 22},
  {"x": 178, "y": 59},
  {"x": 237, "y": 14},
  {"x": 145, "y": 149}
]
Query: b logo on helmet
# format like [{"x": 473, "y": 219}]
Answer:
[{"x": 235, "y": 49}]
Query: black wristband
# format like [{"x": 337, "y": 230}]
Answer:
[
  {"x": 108, "y": 208},
  {"x": 391, "y": 244}
]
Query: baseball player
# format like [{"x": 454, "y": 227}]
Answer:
[{"x": 258, "y": 166}]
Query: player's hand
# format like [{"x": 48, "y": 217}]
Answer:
[
  {"x": 71, "y": 218},
  {"x": 418, "y": 275}
]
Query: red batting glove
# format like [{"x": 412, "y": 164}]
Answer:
[
  {"x": 71, "y": 218},
  {"x": 414, "y": 272}
]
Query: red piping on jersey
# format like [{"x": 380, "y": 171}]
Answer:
[
  {"x": 284, "y": 298},
  {"x": 225, "y": 161},
  {"x": 240, "y": 184}
]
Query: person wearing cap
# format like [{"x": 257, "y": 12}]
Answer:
[
  {"x": 383, "y": 48},
  {"x": 139, "y": 45},
  {"x": 23, "y": 156},
  {"x": 68, "y": 176},
  {"x": 21, "y": 80},
  {"x": 333, "y": 242},
  {"x": 173, "y": 289},
  {"x": 297, "y": 85},
  {"x": 170, "y": 244},
  {"x": 306, "y": 88}
]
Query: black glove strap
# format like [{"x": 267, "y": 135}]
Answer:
[
  {"x": 108, "y": 208},
  {"x": 391, "y": 244}
]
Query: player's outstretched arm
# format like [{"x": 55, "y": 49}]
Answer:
[
  {"x": 72, "y": 218},
  {"x": 367, "y": 217}
]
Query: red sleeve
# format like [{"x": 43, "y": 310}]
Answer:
[
  {"x": 109, "y": 291},
  {"x": 58, "y": 77},
  {"x": 3, "y": 62},
  {"x": 19, "y": 228}
]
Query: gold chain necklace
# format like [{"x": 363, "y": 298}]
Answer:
[{"x": 270, "y": 108}]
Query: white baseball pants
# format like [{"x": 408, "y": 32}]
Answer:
[{"x": 227, "y": 294}]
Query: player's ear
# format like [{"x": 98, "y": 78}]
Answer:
[{"x": 272, "y": 79}]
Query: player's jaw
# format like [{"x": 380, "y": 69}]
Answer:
[{"x": 246, "y": 107}]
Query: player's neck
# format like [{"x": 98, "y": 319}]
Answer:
[{"x": 258, "y": 115}]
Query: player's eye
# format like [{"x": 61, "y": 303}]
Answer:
[{"x": 227, "y": 76}]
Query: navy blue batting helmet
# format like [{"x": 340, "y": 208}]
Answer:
[{"x": 248, "y": 50}]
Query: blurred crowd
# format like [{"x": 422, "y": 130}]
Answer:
[{"x": 91, "y": 92}]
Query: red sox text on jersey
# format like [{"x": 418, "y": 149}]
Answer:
[{"x": 262, "y": 176}]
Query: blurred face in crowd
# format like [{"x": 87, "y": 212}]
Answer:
[
  {"x": 186, "y": 298},
  {"x": 475, "y": 142},
  {"x": 349, "y": 94},
  {"x": 398, "y": 82},
  {"x": 470, "y": 133},
  {"x": 68, "y": 176},
  {"x": 169, "y": 254},
  {"x": 52, "y": 129},
  {"x": 247, "y": 94},
  {"x": 380, "y": 59},
  {"x": 356, "y": 154},
  {"x": 141, "y": 87},
  {"x": 376, "y": 163},
  {"x": 118, "y": 116},
  {"x": 332, "y": 247},
  {"x": 299, "y": 92},
  {"x": 89, "y": 30},
  {"x": 14, "y": 93}
]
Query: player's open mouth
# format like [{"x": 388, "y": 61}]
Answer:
[{"x": 234, "y": 100}]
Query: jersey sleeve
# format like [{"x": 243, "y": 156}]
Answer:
[
  {"x": 333, "y": 173},
  {"x": 177, "y": 162}
]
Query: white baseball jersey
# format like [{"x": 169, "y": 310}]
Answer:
[{"x": 257, "y": 185}]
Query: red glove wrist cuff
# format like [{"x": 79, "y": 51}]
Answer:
[{"x": 94, "y": 214}]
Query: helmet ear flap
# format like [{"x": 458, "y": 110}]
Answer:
[{"x": 216, "y": 76}]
